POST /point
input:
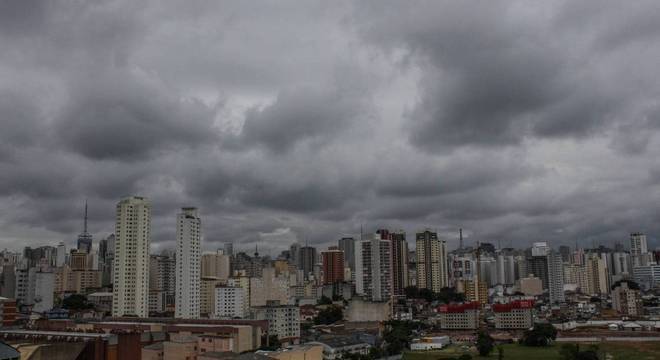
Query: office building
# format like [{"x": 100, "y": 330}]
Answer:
[
  {"x": 648, "y": 277},
  {"x": 307, "y": 260},
  {"x": 188, "y": 267},
  {"x": 347, "y": 245},
  {"x": 333, "y": 266},
  {"x": 131, "y": 263},
  {"x": 228, "y": 249},
  {"x": 431, "y": 261}
]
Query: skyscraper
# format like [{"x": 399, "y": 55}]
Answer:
[
  {"x": 85, "y": 238},
  {"x": 347, "y": 245},
  {"x": 307, "y": 259},
  {"x": 229, "y": 249},
  {"x": 431, "y": 261},
  {"x": 130, "y": 294},
  {"x": 399, "y": 262},
  {"x": 333, "y": 266},
  {"x": 188, "y": 244},
  {"x": 373, "y": 268},
  {"x": 294, "y": 253}
]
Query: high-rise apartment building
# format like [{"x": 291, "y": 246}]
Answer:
[
  {"x": 555, "y": 277},
  {"x": 597, "y": 275},
  {"x": 333, "y": 266},
  {"x": 431, "y": 261},
  {"x": 373, "y": 268},
  {"x": 638, "y": 249},
  {"x": 131, "y": 264},
  {"x": 399, "y": 262},
  {"x": 188, "y": 267}
]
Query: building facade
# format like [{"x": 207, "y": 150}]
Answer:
[
  {"x": 373, "y": 268},
  {"x": 515, "y": 315},
  {"x": 431, "y": 261},
  {"x": 459, "y": 316},
  {"x": 188, "y": 267},
  {"x": 131, "y": 263}
]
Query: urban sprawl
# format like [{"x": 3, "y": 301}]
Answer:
[{"x": 367, "y": 297}]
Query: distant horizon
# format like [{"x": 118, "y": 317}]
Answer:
[{"x": 516, "y": 121}]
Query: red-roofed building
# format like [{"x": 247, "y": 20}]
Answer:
[
  {"x": 514, "y": 315},
  {"x": 459, "y": 316}
]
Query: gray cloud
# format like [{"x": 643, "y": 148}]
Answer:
[{"x": 300, "y": 122}]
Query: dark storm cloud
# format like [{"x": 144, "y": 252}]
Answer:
[
  {"x": 287, "y": 122},
  {"x": 495, "y": 77},
  {"x": 298, "y": 115},
  {"x": 117, "y": 119}
]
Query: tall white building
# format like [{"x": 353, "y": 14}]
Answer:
[
  {"x": 131, "y": 263},
  {"x": 638, "y": 249},
  {"x": 555, "y": 277},
  {"x": 61, "y": 255},
  {"x": 373, "y": 268},
  {"x": 188, "y": 248}
]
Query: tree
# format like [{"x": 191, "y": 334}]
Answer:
[
  {"x": 324, "y": 300},
  {"x": 500, "y": 352},
  {"x": 485, "y": 343},
  {"x": 329, "y": 315},
  {"x": 76, "y": 302},
  {"x": 397, "y": 335},
  {"x": 540, "y": 335}
]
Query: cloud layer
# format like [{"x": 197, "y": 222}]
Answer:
[{"x": 287, "y": 121}]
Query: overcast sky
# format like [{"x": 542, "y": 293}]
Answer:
[{"x": 518, "y": 121}]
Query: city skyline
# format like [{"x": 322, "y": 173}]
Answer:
[{"x": 517, "y": 122}]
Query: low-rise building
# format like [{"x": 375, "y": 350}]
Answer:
[
  {"x": 430, "y": 343},
  {"x": 336, "y": 347},
  {"x": 283, "y": 320},
  {"x": 102, "y": 301},
  {"x": 215, "y": 343},
  {"x": 297, "y": 352},
  {"x": 459, "y": 316},
  {"x": 514, "y": 315},
  {"x": 531, "y": 286}
]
